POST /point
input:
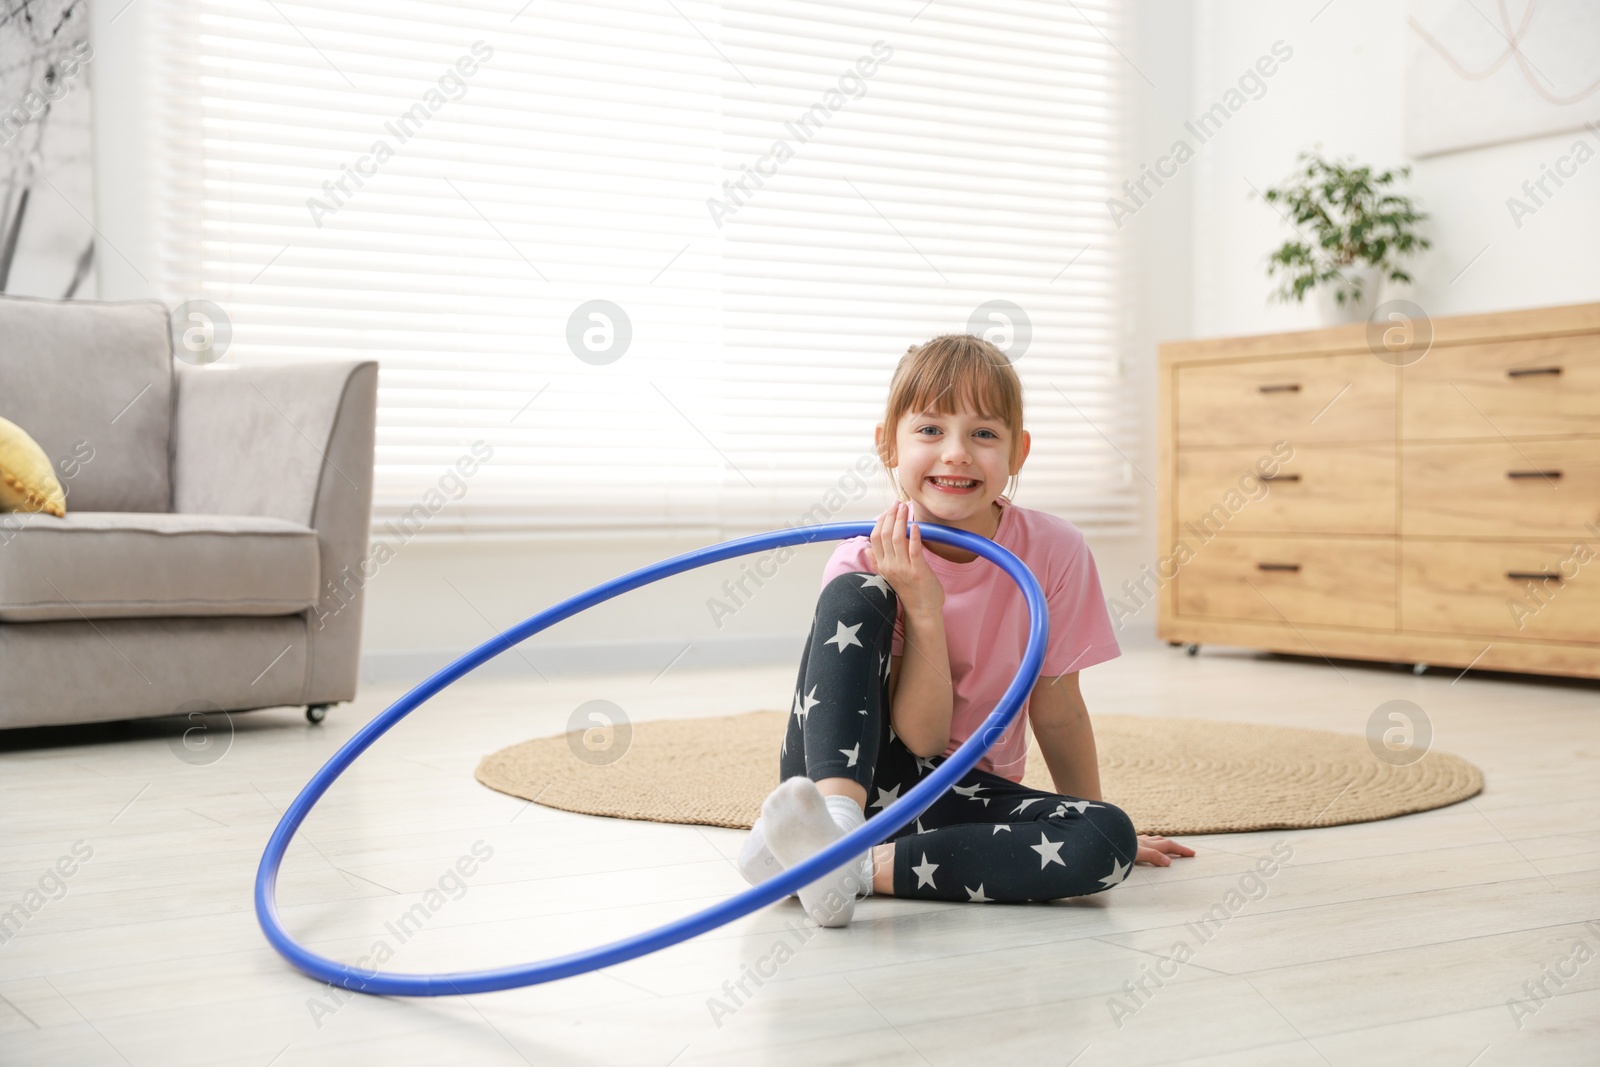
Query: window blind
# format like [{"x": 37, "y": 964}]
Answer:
[{"x": 656, "y": 259}]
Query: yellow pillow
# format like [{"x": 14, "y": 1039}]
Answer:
[{"x": 26, "y": 481}]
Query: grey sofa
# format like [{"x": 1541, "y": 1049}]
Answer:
[{"x": 208, "y": 508}]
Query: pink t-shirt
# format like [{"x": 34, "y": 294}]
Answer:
[{"x": 986, "y": 621}]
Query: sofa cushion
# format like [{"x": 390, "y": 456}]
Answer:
[
  {"x": 106, "y": 565},
  {"x": 92, "y": 383}
]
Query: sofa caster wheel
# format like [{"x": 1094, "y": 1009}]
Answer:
[
  {"x": 1419, "y": 668},
  {"x": 315, "y": 713},
  {"x": 1191, "y": 649}
]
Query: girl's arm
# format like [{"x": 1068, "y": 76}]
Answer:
[
  {"x": 920, "y": 696},
  {"x": 1061, "y": 724},
  {"x": 919, "y": 703}
]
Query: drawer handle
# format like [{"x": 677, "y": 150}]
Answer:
[
  {"x": 1280, "y": 477},
  {"x": 1533, "y": 474},
  {"x": 1529, "y": 372},
  {"x": 1278, "y": 566},
  {"x": 1531, "y": 576},
  {"x": 1291, "y": 387}
]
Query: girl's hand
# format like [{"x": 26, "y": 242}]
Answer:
[
  {"x": 899, "y": 558},
  {"x": 1155, "y": 850}
]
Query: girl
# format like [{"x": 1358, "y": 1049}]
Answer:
[{"x": 911, "y": 648}]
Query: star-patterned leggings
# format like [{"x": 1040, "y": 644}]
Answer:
[{"x": 987, "y": 838}]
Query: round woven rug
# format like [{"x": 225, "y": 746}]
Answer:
[{"x": 1172, "y": 776}]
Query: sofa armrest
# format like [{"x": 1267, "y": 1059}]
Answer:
[
  {"x": 295, "y": 442},
  {"x": 261, "y": 440}
]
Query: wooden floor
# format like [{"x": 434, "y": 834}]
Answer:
[{"x": 1393, "y": 942}]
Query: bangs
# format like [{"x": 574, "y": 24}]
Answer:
[
  {"x": 956, "y": 373},
  {"x": 974, "y": 392}
]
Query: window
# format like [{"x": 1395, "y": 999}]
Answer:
[{"x": 659, "y": 257}]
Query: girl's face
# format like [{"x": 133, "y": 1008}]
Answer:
[{"x": 936, "y": 450}]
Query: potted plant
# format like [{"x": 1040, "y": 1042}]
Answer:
[{"x": 1350, "y": 233}]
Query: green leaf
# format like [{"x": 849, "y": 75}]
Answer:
[{"x": 1343, "y": 216}]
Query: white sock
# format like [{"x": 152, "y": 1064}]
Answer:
[
  {"x": 847, "y": 815},
  {"x": 799, "y": 823},
  {"x": 757, "y": 863}
]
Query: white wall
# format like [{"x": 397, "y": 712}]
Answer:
[
  {"x": 1345, "y": 88},
  {"x": 121, "y": 75}
]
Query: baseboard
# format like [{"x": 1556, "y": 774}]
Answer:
[
  {"x": 402, "y": 666},
  {"x": 1139, "y": 632}
]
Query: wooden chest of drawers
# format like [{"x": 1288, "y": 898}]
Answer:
[{"x": 1326, "y": 495}]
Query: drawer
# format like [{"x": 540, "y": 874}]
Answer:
[
  {"x": 1488, "y": 588},
  {"x": 1317, "y": 490},
  {"x": 1347, "y": 398},
  {"x": 1550, "y": 385},
  {"x": 1500, "y": 489},
  {"x": 1321, "y": 582}
]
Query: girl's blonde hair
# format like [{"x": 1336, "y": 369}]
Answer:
[{"x": 952, "y": 372}]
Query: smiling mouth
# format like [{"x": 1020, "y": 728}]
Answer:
[{"x": 954, "y": 485}]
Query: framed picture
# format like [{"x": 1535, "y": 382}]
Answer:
[{"x": 1486, "y": 73}]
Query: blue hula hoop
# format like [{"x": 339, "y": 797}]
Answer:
[{"x": 872, "y": 832}]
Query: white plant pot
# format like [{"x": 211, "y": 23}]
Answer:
[{"x": 1332, "y": 313}]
